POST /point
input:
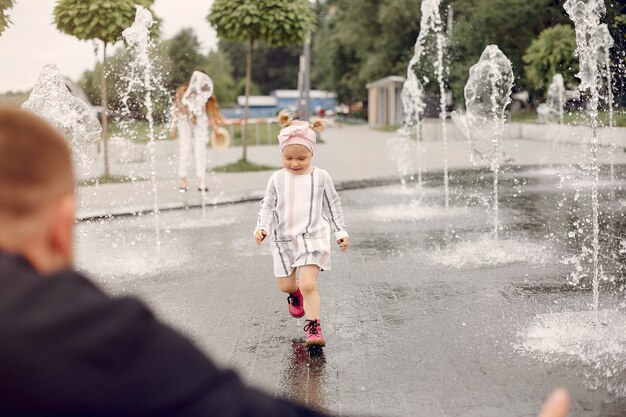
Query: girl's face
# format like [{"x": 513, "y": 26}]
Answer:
[{"x": 297, "y": 159}]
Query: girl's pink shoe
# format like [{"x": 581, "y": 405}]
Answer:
[
  {"x": 314, "y": 336},
  {"x": 296, "y": 303}
]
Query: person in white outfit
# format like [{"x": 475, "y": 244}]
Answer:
[
  {"x": 299, "y": 209},
  {"x": 192, "y": 129}
]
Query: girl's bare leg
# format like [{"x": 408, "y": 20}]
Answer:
[
  {"x": 308, "y": 287},
  {"x": 288, "y": 284}
]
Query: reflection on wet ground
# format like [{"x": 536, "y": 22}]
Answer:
[
  {"x": 425, "y": 315},
  {"x": 304, "y": 376}
]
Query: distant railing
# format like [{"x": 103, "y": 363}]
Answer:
[{"x": 261, "y": 131}]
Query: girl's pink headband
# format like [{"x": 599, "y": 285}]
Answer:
[{"x": 297, "y": 134}]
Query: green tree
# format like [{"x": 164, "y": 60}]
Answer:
[
  {"x": 5, "y": 21},
  {"x": 183, "y": 57},
  {"x": 272, "y": 68},
  {"x": 240, "y": 88},
  {"x": 117, "y": 86},
  {"x": 104, "y": 21},
  {"x": 219, "y": 68},
  {"x": 550, "y": 53},
  {"x": 510, "y": 24},
  {"x": 359, "y": 41},
  {"x": 275, "y": 22}
]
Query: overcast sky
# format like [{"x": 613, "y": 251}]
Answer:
[{"x": 33, "y": 41}]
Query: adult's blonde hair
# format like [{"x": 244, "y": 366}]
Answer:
[
  {"x": 285, "y": 118},
  {"x": 211, "y": 106},
  {"x": 179, "y": 107}
]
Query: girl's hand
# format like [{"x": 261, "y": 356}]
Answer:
[
  {"x": 259, "y": 236},
  {"x": 173, "y": 133},
  {"x": 344, "y": 243}
]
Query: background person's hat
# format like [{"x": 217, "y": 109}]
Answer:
[{"x": 220, "y": 139}]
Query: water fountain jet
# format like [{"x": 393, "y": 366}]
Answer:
[
  {"x": 141, "y": 76},
  {"x": 487, "y": 95},
  {"x": 413, "y": 91},
  {"x": 590, "y": 41}
]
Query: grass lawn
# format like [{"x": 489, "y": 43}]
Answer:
[
  {"x": 137, "y": 131},
  {"x": 111, "y": 179},
  {"x": 390, "y": 128},
  {"x": 577, "y": 118},
  {"x": 244, "y": 166}
]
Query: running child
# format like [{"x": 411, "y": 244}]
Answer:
[{"x": 298, "y": 211}]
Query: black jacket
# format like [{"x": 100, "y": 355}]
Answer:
[{"x": 68, "y": 349}]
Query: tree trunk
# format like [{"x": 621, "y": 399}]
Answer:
[
  {"x": 105, "y": 111},
  {"x": 244, "y": 133}
]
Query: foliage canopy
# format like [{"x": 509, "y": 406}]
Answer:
[
  {"x": 103, "y": 20},
  {"x": 275, "y": 22},
  {"x": 5, "y": 5},
  {"x": 550, "y": 53}
]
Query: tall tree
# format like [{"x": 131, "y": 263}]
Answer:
[
  {"x": 510, "y": 24},
  {"x": 275, "y": 22},
  {"x": 183, "y": 55},
  {"x": 359, "y": 41},
  {"x": 104, "y": 21},
  {"x": 220, "y": 69},
  {"x": 550, "y": 53},
  {"x": 5, "y": 21},
  {"x": 272, "y": 67}
]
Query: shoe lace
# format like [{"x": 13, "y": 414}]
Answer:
[
  {"x": 311, "y": 326},
  {"x": 293, "y": 300}
]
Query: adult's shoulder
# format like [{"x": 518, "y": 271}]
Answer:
[{"x": 31, "y": 304}]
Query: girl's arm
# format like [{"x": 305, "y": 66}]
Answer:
[
  {"x": 268, "y": 205},
  {"x": 332, "y": 211}
]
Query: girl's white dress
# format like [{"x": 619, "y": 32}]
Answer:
[{"x": 298, "y": 212}]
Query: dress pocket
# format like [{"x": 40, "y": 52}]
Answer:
[{"x": 315, "y": 243}]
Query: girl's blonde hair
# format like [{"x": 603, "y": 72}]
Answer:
[{"x": 285, "y": 118}]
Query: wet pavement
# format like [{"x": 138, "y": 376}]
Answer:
[{"x": 425, "y": 315}]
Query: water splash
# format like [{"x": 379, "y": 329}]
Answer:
[
  {"x": 490, "y": 252},
  {"x": 411, "y": 212},
  {"x": 605, "y": 43},
  {"x": 552, "y": 109},
  {"x": 413, "y": 105},
  {"x": 590, "y": 42},
  {"x": 51, "y": 100},
  {"x": 400, "y": 150},
  {"x": 597, "y": 343},
  {"x": 198, "y": 93},
  {"x": 487, "y": 95},
  {"x": 413, "y": 91},
  {"x": 142, "y": 77}
]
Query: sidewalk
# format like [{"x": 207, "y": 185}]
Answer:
[{"x": 350, "y": 153}]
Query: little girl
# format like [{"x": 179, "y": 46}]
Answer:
[{"x": 300, "y": 204}]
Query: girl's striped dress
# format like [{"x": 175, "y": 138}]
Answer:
[{"x": 298, "y": 212}]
